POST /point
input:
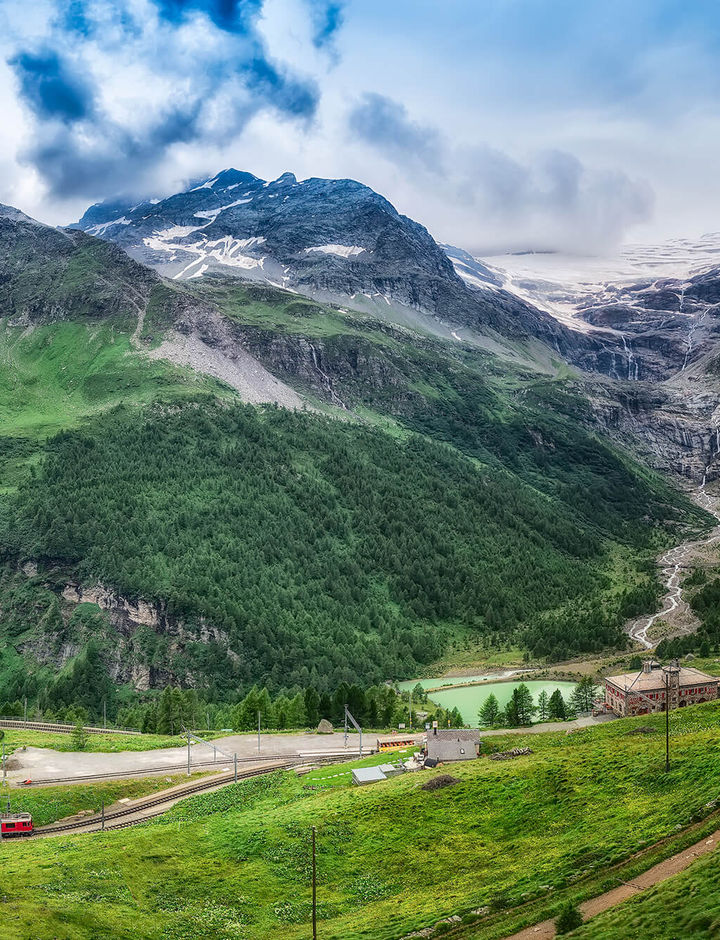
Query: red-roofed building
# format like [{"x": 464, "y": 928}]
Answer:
[{"x": 639, "y": 693}]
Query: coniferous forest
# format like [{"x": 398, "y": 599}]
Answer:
[{"x": 300, "y": 551}]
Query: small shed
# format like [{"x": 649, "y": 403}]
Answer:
[{"x": 364, "y": 775}]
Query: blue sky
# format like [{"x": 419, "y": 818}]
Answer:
[{"x": 500, "y": 124}]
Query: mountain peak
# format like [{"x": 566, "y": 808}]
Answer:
[
  {"x": 333, "y": 239},
  {"x": 15, "y": 215}
]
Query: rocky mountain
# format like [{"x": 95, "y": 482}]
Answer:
[
  {"x": 661, "y": 305},
  {"x": 334, "y": 240}
]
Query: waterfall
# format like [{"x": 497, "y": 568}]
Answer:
[{"x": 632, "y": 364}]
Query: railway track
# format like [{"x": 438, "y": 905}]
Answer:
[
  {"x": 95, "y": 824},
  {"x": 58, "y": 726}
]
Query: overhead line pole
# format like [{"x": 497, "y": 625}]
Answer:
[
  {"x": 314, "y": 887},
  {"x": 667, "y": 723}
]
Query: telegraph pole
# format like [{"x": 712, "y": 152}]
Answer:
[
  {"x": 102, "y": 816},
  {"x": 258, "y": 730},
  {"x": 667, "y": 723},
  {"x": 410, "y": 711},
  {"x": 25, "y": 711},
  {"x": 346, "y": 725},
  {"x": 314, "y": 888},
  {"x": 235, "y": 766},
  {"x": 104, "y": 713},
  {"x": 188, "y": 754}
]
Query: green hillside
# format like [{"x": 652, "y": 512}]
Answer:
[
  {"x": 458, "y": 495},
  {"x": 518, "y": 837}
]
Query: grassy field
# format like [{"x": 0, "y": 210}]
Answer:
[
  {"x": 15, "y": 739},
  {"x": 48, "y": 804},
  {"x": 391, "y": 858},
  {"x": 59, "y": 373}
]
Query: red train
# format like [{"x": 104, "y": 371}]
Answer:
[{"x": 15, "y": 824}]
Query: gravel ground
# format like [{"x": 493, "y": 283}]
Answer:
[{"x": 41, "y": 763}]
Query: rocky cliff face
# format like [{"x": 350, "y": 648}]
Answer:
[{"x": 143, "y": 644}]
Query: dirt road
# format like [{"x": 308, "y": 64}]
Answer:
[{"x": 653, "y": 876}]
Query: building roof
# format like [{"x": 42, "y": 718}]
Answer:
[
  {"x": 655, "y": 679},
  {"x": 454, "y": 734},
  {"x": 368, "y": 775},
  {"x": 450, "y": 750}
]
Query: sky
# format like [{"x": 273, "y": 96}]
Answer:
[{"x": 501, "y": 125}]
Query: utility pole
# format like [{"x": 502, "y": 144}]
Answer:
[
  {"x": 235, "y": 766},
  {"x": 410, "y": 711},
  {"x": 104, "y": 713},
  {"x": 314, "y": 888},
  {"x": 258, "y": 730},
  {"x": 346, "y": 725},
  {"x": 26, "y": 711},
  {"x": 188, "y": 754},
  {"x": 349, "y": 716},
  {"x": 3, "y": 763},
  {"x": 102, "y": 815},
  {"x": 667, "y": 722}
]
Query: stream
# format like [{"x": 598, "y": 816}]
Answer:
[{"x": 673, "y": 561}]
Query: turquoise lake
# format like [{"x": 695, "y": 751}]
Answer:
[{"x": 469, "y": 699}]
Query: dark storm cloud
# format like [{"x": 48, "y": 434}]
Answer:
[
  {"x": 386, "y": 125},
  {"x": 211, "y": 54},
  {"x": 292, "y": 96},
  {"x": 113, "y": 161},
  {"x": 50, "y": 88}
]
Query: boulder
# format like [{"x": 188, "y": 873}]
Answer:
[{"x": 324, "y": 727}]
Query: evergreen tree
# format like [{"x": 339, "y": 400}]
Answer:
[
  {"x": 312, "y": 706},
  {"x": 583, "y": 695},
  {"x": 542, "y": 705},
  {"x": 570, "y": 918},
  {"x": 79, "y": 736},
  {"x": 556, "y": 707},
  {"x": 489, "y": 713}
]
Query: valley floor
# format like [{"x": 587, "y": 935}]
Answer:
[{"x": 502, "y": 848}]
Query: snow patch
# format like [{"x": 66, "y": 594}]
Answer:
[
  {"x": 341, "y": 251},
  {"x": 213, "y": 213},
  {"x": 99, "y": 229}
]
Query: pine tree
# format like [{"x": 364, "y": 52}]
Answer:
[
  {"x": 489, "y": 713},
  {"x": 79, "y": 736},
  {"x": 556, "y": 707},
  {"x": 542, "y": 705}
]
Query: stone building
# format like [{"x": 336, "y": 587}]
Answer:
[
  {"x": 444, "y": 746},
  {"x": 639, "y": 693}
]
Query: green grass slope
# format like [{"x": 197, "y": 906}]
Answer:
[{"x": 391, "y": 858}]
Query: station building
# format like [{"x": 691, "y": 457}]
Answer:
[{"x": 639, "y": 693}]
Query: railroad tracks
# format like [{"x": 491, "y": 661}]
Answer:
[
  {"x": 119, "y": 819},
  {"x": 58, "y": 726}
]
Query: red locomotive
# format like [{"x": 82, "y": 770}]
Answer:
[{"x": 15, "y": 824}]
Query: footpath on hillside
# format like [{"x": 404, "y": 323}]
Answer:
[{"x": 628, "y": 889}]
